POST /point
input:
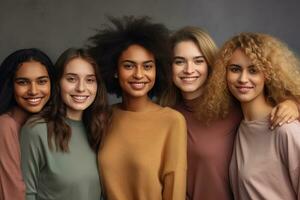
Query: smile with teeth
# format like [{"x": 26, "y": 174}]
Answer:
[
  {"x": 79, "y": 98},
  {"x": 189, "y": 78},
  {"x": 138, "y": 85},
  {"x": 33, "y": 100}
]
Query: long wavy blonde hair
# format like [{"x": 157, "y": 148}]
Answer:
[
  {"x": 208, "y": 48},
  {"x": 278, "y": 63}
]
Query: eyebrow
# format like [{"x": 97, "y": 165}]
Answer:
[
  {"x": 133, "y": 62},
  {"x": 180, "y": 57},
  {"x": 40, "y": 77},
  {"x": 73, "y": 74},
  {"x": 236, "y": 65}
]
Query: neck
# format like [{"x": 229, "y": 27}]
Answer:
[
  {"x": 19, "y": 115},
  {"x": 192, "y": 95},
  {"x": 138, "y": 104},
  {"x": 74, "y": 115},
  {"x": 257, "y": 109}
]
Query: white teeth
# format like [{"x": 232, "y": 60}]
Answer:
[
  {"x": 189, "y": 78},
  {"x": 33, "y": 100},
  {"x": 80, "y": 97}
]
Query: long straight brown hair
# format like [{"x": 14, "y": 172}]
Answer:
[{"x": 96, "y": 118}]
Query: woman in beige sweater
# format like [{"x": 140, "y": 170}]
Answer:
[{"x": 143, "y": 156}]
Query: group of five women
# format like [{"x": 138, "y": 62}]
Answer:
[{"x": 193, "y": 122}]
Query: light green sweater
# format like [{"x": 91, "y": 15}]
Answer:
[{"x": 54, "y": 175}]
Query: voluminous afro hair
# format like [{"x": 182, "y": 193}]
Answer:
[{"x": 109, "y": 43}]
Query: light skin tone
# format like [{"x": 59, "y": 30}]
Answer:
[
  {"x": 190, "y": 69},
  {"x": 186, "y": 51},
  {"x": 78, "y": 87},
  {"x": 246, "y": 83},
  {"x": 136, "y": 74},
  {"x": 31, "y": 86}
]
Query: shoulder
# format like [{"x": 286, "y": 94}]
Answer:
[
  {"x": 7, "y": 125},
  {"x": 289, "y": 131},
  {"x": 6, "y": 121},
  {"x": 7, "y": 128},
  {"x": 173, "y": 114},
  {"x": 34, "y": 128}
]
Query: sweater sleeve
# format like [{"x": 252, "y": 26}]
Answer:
[
  {"x": 32, "y": 157},
  {"x": 11, "y": 183},
  {"x": 290, "y": 153},
  {"x": 175, "y": 161}
]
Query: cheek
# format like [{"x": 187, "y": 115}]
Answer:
[
  {"x": 230, "y": 78},
  {"x": 203, "y": 69},
  {"x": 93, "y": 88},
  {"x": 45, "y": 89},
  {"x": 19, "y": 91}
]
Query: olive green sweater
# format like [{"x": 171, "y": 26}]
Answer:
[{"x": 54, "y": 175}]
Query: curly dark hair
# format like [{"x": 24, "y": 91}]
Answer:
[
  {"x": 8, "y": 69},
  {"x": 109, "y": 43}
]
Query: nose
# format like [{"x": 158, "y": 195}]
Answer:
[
  {"x": 243, "y": 78},
  {"x": 189, "y": 68},
  {"x": 80, "y": 87},
  {"x": 33, "y": 90},
  {"x": 138, "y": 73}
]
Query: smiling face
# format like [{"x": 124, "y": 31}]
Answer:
[
  {"x": 31, "y": 86},
  {"x": 245, "y": 81},
  {"x": 136, "y": 72},
  {"x": 78, "y": 87},
  {"x": 190, "y": 69}
]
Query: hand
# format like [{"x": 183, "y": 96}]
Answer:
[{"x": 285, "y": 112}]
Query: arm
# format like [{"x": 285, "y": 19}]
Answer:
[
  {"x": 289, "y": 146},
  {"x": 32, "y": 159},
  {"x": 11, "y": 184},
  {"x": 174, "y": 177},
  {"x": 285, "y": 112}
]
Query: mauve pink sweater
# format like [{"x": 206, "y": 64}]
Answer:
[
  {"x": 11, "y": 182},
  {"x": 209, "y": 153}
]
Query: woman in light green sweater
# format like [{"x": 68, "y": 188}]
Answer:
[{"x": 59, "y": 147}]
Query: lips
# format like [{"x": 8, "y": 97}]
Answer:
[
  {"x": 188, "y": 79},
  {"x": 138, "y": 85},
  {"x": 33, "y": 101},
  {"x": 79, "y": 98},
  {"x": 244, "y": 89}
]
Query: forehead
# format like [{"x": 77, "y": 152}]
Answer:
[
  {"x": 136, "y": 53},
  {"x": 31, "y": 70},
  {"x": 187, "y": 48},
  {"x": 240, "y": 58},
  {"x": 79, "y": 66}
]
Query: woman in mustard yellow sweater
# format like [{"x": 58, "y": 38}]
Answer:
[{"x": 143, "y": 156}]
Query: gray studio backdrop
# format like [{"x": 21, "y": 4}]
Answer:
[{"x": 54, "y": 25}]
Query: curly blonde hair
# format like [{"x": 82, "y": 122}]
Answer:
[
  {"x": 278, "y": 63},
  {"x": 208, "y": 48}
]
